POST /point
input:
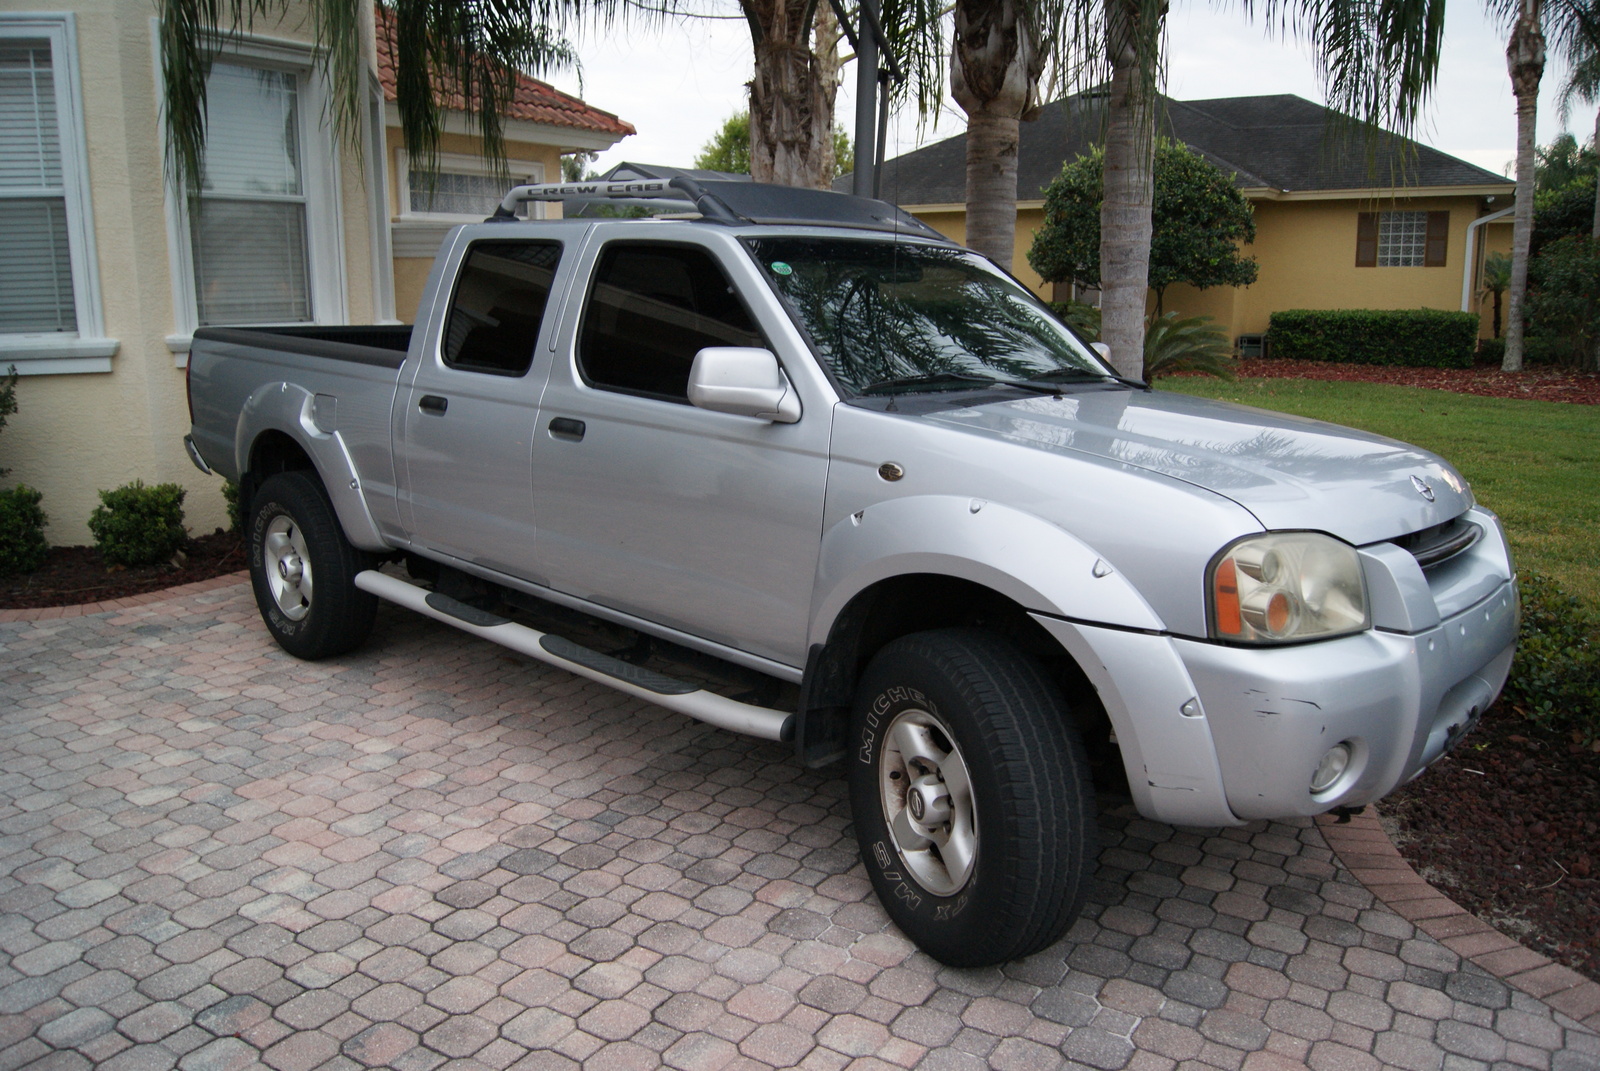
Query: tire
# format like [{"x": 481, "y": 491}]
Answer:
[
  {"x": 303, "y": 570},
  {"x": 959, "y": 726}
]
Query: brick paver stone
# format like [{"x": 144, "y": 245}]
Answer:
[{"x": 433, "y": 853}]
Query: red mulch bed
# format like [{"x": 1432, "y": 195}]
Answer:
[
  {"x": 1541, "y": 384},
  {"x": 1508, "y": 826},
  {"x": 74, "y": 575}
]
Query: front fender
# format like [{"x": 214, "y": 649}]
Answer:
[
  {"x": 292, "y": 410},
  {"x": 1036, "y": 564}
]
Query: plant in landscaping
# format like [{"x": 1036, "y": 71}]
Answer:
[
  {"x": 8, "y": 400},
  {"x": 1416, "y": 338},
  {"x": 22, "y": 545},
  {"x": 1496, "y": 277},
  {"x": 1564, "y": 299},
  {"x": 1200, "y": 219},
  {"x": 1555, "y": 676},
  {"x": 139, "y": 525},
  {"x": 1171, "y": 344},
  {"x": 230, "y": 497}
]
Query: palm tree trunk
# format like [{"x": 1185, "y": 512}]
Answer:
[
  {"x": 992, "y": 183},
  {"x": 995, "y": 64},
  {"x": 791, "y": 103},
  {"x": 1127, "y": 192},
  {"x": 1597, "y": 176},
  {"x": 1525, "y": 60}
]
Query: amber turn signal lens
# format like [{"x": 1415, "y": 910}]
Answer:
[{"x": 1226, "y": 598}]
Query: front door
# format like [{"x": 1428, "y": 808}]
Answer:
[
  {"x": 706, "y": 522},
  {"x": 468, "y": 421}
]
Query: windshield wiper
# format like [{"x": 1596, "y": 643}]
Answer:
[
  {"x": 1082, "y": 375},
  {"x": 931, "y": 381}
]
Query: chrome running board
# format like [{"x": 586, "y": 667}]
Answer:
[{"x": 664, "y": 691}]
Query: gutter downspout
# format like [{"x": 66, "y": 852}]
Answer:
[{"x": 1471, "y": 258}]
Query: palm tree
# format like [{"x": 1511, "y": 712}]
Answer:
[
  {"x": 1496, "y": 277},
  {"x": 1582, "y": 48},
  {"x": 1570, "y": 23},
  {"x": 472, "y": 50}
]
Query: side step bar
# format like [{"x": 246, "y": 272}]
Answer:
[{"x": 664, "y": 691}]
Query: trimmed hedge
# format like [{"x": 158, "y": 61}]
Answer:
[
  {"x": 139, "y": 525},
  {"x": 1416, "y": 338}
]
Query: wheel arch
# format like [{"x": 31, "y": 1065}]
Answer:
[
  {"x": 278, "y": 432},
  {"x": 899, "y": 605}
]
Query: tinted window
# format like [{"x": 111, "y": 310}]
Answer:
[
  {"x": 652, "y": 308},
  {"x": 933, "y": 317},
  {"x": 494, "y": 320}
]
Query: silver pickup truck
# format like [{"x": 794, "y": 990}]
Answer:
[{"x": 802, "y": 469}]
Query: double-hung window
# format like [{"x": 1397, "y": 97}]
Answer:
[
  {"x": 50, "y": 318},
  {"x": 259, "y": 242}
]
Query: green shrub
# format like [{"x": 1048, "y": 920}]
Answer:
[
  {"x": 1417, "y": 338},
  {"x": 8, "y": 400},
  {"x": 1171, "y": 344},
  {"x": 138, "y": 525},
  {"x": 230, "y": 496},
  {"x": 22, "y": 545},
  {"x": 1564, "y": 299},
  {"x": 1491, "y": 351},
  {"x": 1555, "y": 676}
]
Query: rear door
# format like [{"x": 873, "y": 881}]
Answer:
[
  {"x": 706, "y": 522},
  {"x": 467, "y": 425}
]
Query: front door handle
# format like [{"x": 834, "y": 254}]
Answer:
[
  {"x": 567, "y": 428},
  {"x": 432, "y": 403}
]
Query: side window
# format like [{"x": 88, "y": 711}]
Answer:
[
  {"x": 493, "y": 324},
  {"x": 651, "y": 309}
]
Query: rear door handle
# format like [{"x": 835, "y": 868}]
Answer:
[
  {"x": 567, "y": 428},
  {"x": 432, "y": 403}
]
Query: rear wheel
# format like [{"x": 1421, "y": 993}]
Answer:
[
  {"x": 971, "y": 797},
  {"x": 303, "y": 570}
]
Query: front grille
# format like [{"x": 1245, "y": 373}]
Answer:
[{"x": 1437, "y": 545}]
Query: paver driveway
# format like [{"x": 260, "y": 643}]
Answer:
[{"x": 433, "y": 853}]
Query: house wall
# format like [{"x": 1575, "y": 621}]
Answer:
[
  {"x": 76, "y": 434},
  {"x": 1306, "y": 249}
]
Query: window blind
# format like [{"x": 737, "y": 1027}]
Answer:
[
  {"x": 35, "y": 260},
  {"x": 248, "y": 226}
]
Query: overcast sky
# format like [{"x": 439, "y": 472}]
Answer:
[{"x": 676, "y": 84}]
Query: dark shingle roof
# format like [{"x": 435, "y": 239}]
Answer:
[{"x": 1281, "y": 142}]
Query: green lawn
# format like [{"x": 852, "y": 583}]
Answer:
[{"x": 1536, "y": 464}]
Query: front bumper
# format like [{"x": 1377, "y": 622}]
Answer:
[{"x": 1218, "y": 735}]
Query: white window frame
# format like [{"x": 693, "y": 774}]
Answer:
[
  {"x": 319, "y": 162},
  {"x": 521, "y": 172},
  {"x": 419, "y": 234},
  {"x": 87, "y": 350},
  {"x": 1413, "y": 255}
]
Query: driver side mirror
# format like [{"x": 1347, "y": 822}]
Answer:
[
  {"x": 1103, "y": 350},
  {"x": 744, "y": 381}
]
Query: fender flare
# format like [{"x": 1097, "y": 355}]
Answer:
[
  {"x": 292, "y": 410},
  {"x": 1038, "y": 565}
]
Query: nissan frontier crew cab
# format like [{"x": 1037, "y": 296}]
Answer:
[{"x": 801, "y": 468}]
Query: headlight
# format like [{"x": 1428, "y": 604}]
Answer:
[{"x": 1287, "y": 586}]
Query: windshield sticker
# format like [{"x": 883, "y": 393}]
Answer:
[{"x": 780, "y": 268}]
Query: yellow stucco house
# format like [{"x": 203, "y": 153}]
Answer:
[
  {"x": 1339, "y": 225},
  {"x": 105, "y": 274}
]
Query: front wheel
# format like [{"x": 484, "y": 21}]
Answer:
[
  {"x": 303, "y": 570},
  {"x": 971, "y": 797}
]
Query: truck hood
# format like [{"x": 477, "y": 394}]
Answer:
[{"x": 1290, "y": 472}]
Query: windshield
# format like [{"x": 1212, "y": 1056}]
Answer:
[{"x": 898, "y": 317}]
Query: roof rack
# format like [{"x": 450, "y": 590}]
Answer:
[{"x": 727, "y": 202}]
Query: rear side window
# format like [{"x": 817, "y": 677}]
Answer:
[
  {"x": 493, "y": 325},
  {"x": 651, "y": 309}
]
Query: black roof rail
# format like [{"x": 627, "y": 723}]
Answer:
[{"x": 727, "y": 202}]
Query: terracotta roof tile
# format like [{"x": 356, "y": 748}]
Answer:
[{"x": 535, "y": 101}]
